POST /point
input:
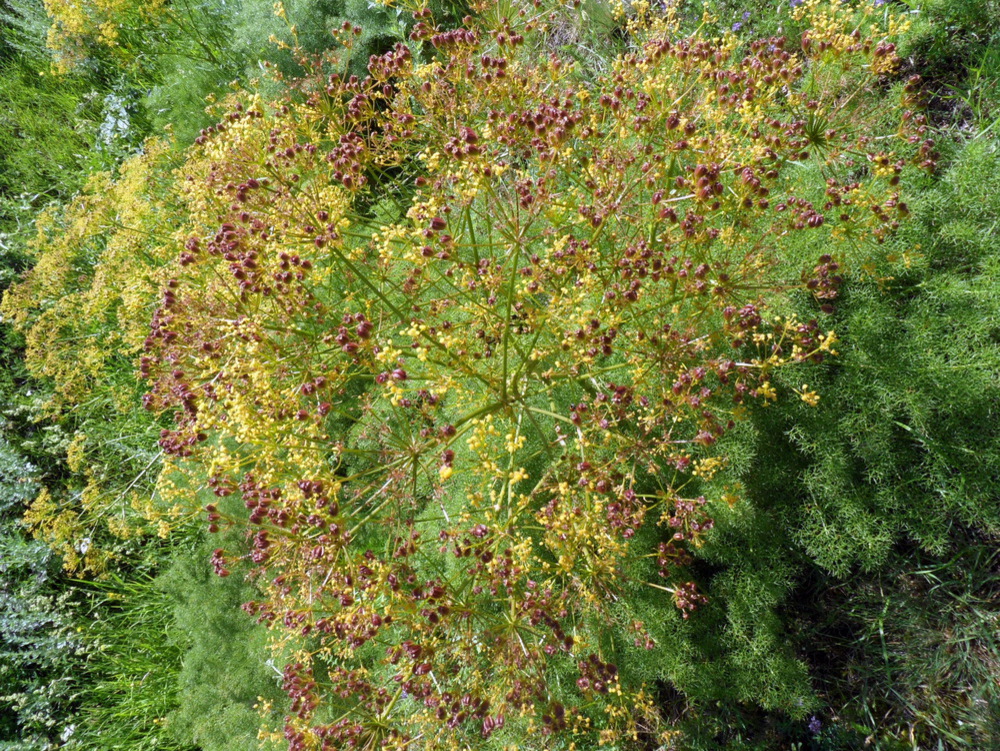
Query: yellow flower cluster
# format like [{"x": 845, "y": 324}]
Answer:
[
  {"x": 456, "y": 343},
  {"x": 79, "y": 24}
]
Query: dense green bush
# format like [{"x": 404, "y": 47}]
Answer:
[
  {"x": 227, "y": 674},
  {"x": 906, "y": 442},
  {"x": 248, "y": 39},
  {"x": 901, "y": 454}
]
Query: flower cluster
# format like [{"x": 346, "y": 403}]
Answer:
[
  {"x": 77, "y": 26},
  {"x": 81, "y": 322},
  {"x": 456, "y": 344}
]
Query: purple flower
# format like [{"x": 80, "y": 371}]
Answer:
[
  {"x": 880, "y": 3},
  {"x": 795, "y": 3},
  {"x": 746, "y": 15},
  {"x": 737, "y": 26},
  {"x": 815, "y": 725}
]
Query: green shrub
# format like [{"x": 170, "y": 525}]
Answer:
[
  {"x": 227, "y": 670},
  {"x": 900, "y": 454},
  {"x": 904, "y": 444}
]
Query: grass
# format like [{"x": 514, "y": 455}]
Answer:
[
  {"x": 131, "y": 682},
  {"x": 908, "y": 658}
]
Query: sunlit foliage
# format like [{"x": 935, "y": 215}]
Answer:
[{"x": 456, "y": 343}]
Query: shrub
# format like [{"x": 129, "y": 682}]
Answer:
[
  {"x": 903, "y": 445},
  {"x": 182, "y": 55},
  {"x": 467, "y": 337},
  {"x": 890, "y": 483},
  {"x": 227, "y": 674},
  {"x": 473, "y": 437}
]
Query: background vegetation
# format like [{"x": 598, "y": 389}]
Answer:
[{"x": 852, "y": 591}]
